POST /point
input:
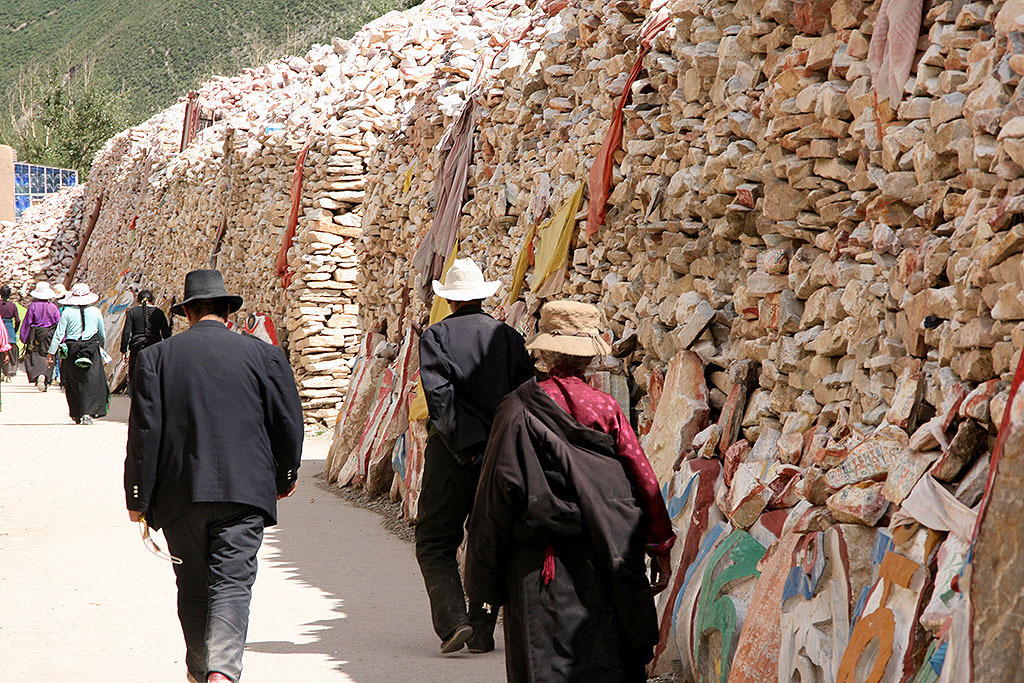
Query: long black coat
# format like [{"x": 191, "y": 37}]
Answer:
[
  {"x": 468, "y": 362},
  {"x": 215, "y": 417},
  {"x": 548, "y": 480}
]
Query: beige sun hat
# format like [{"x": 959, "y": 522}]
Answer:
[
  {"x": 464, "y": 281},
  {"x": 43, "y": 291},
  {"x": 60, "y": 290},
  {"x": 572, "y": 328},
  {"x": 80, "y": 295}
]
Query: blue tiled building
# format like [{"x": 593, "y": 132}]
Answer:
[{"x": 32, "y": 183}]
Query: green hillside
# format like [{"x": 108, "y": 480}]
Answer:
[{"x": 155, "y": 50}]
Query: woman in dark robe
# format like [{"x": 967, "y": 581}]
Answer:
[
  {"x": 144, "y": 325},
  {"x": 10, "y": 318},
  {"x": 36, "y": 334},
  {"x": 82, "y": 332},
  {"x": 565, "y": 511}
]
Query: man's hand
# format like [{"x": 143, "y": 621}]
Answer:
[
  {"x": 135, "y": 515},
  {"x": 661, "y": 572},
  {"x": 50, "y": 360},
  {"x": 289, "y": 493}
]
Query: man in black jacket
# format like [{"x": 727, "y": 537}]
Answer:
[
  {"x": 468, "y": 363},
  {"x": 214, "y": 441}
]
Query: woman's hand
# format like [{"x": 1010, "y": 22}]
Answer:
[
  {"x": 661, "y": 572},
  {"x": 50, "y": 360}
]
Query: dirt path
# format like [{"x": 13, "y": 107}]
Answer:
[{"x": 337, "y": 597}]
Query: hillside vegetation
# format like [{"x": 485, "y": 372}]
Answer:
[{"x": 152, "y": 51}]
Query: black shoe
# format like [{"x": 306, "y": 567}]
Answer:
[
  {"x": 480, "y": 644},
  {"x": 457, "y": 639}
]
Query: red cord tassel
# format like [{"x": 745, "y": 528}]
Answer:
[{"x": 548, "y": 573}]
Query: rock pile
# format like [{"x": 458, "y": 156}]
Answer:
[
  {"x": 232, "y": 196},
  {"x": 42, "y": 243},
  {"x": 814, "y": 292}
]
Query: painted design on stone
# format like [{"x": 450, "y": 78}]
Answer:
[
  {"x": 881, "y": 643},
  {"x": 689, "y": 496},
  {"x": 760, "y": 641},
  {"x": 726, "y": 589}
]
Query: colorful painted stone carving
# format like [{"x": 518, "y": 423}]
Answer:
[
  {"x": 881, "y": 642},
  {"x": 690, "y": 498},
  {"x": 725, "y": 593}
]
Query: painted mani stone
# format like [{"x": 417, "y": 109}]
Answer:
[
  {"x": 690, "y": 497},
  {"x": 881, "y": 644},
  {"x": 725, "y": 594}
]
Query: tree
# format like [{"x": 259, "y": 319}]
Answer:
[{"x": 62, "y": 118}]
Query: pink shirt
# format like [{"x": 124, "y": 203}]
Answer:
[{"x": 597, "y": 410}]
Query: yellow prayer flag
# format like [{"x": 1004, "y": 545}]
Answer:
[
  {"x": 438, "y": 311},
  {"x": 555, "y": 238}
]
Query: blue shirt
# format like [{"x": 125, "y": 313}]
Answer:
[{"x": 70, "y": 326}]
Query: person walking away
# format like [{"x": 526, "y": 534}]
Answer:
[
  {"x": 81, "y": 331},
  {"x": 567, "y": 506},
  {"x": 144, "y": 325},
  {"x": 468, "y": 362},
  {"x": 37, "y": 328},
  {"x": 5, "y": 350},
  {"x": 59, "y": 371},
  {"x": 10, "y": 318},
  {"x": 214, "y": 441}
]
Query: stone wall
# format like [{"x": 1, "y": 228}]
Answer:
[
  {"x": 42, "y": 244},
  {"x": 227, "y": 198},
  {"x": 812, "y": 289}
]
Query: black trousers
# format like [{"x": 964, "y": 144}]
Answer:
[
  {"x": 217, "y": 543},
  {"x": 446, "y": 500}
]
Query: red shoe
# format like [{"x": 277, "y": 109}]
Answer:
[{"x": 217, "y": 678}]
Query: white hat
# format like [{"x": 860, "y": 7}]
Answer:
[
  {"x": 80, "y": 295},
  {"x": 43, "y": 291},
  {"x": 464, "y": 281}
]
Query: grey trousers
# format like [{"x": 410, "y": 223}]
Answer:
[{"x": 217, "y": 543}]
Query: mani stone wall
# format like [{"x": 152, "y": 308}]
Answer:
[
  {"x": 227, "y": 198},
  {"x": 41, "y": 245},
  {"x": 813, "y": 293}
]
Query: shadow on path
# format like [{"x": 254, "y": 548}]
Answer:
[{"x": 383, "y": 630}]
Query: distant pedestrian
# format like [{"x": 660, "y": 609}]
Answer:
[
  {"x": 144, "y": 325},
  {"x": 214, "y": 441},
  {"x": 59, "y": 372},
  {"x": 82, "y": 334},
  {"x": 37, "y": 328},
  {"x": 10, "y": 318},
  {"x": 468, "y": 362},
  {"x": 567, "y": 506},
  {"x": 5, "y": 349}
]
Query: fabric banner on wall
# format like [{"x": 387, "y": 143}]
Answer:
[{"x": 601, "y": 171}]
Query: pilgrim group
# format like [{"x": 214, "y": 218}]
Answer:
[
  {"x": 539, "y": 473},
  {"x": 60, "y": 338}
]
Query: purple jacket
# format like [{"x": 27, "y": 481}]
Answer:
[{"x": 39, "y": 314}]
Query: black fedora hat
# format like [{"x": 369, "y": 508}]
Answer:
[{"x": 206, "y": 284}]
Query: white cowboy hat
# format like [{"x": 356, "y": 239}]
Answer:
[
  {"x": 464, "y": 281},
  {"x": 80, "y": 295},
  {"x": 43, "y": 291}
]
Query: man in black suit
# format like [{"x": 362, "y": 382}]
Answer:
[
  {"x": 468, "y": 363},
  {"x": 214, "y": 441}
]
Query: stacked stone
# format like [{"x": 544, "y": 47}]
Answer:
[
  {"x": 226, "y": 200},
  {"x": 815, "y": 289},
  {"x": 41, "y": 245}
]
